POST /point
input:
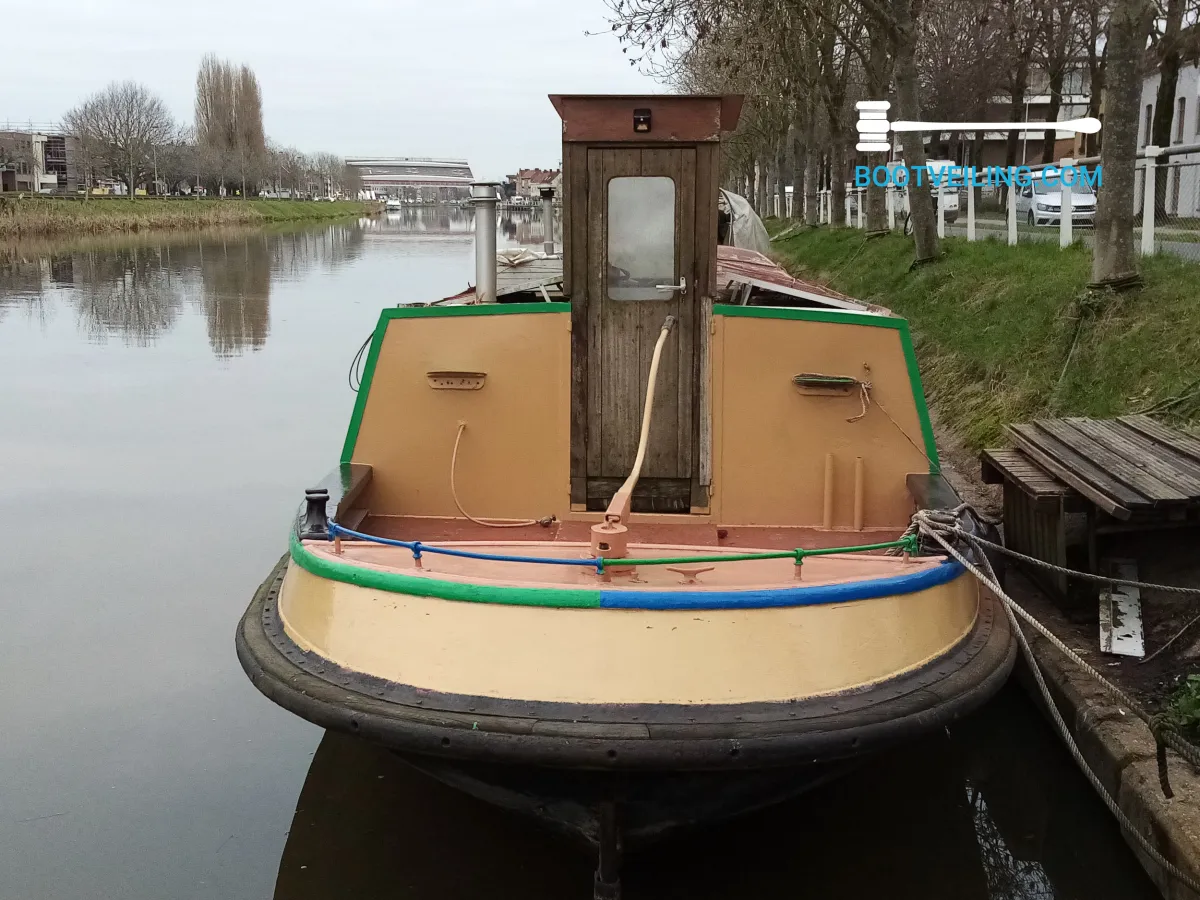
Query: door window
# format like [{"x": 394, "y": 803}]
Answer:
[{"x": 641, "y": 237}]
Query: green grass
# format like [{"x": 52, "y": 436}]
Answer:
[
  {"x": 1183, "y": 707},
  {"x": 1005, "y": 334},
  {"x": 41, "y": 216}
]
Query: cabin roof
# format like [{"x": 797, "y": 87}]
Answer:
[{"x": 600, "y": 106}]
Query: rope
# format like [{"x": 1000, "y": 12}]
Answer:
[
  {"x": 1087, "y": 576},
  {"x": 864, "y": 394},
  {"x": 418, "y": 548},
  {"x": 490, "y": 523},
  {"x": 929, "y": 525},
  {"x": 1177, "y": 636},
  {"x": 908, "y": 544},
  {"x": 355, "y": 374}
]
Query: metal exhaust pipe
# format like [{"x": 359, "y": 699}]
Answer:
[
  {"x": 548, "y": 219},
  {"x": 483, "y": 198}
]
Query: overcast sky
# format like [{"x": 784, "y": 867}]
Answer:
[{"x": 462, "y": 78}]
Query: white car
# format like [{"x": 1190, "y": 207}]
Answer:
[
  {"x": 1039, "y": 203},
  {"x": 949, "y": 194}
]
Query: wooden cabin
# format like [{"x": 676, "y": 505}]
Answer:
[{"x": 809, "y": 416}]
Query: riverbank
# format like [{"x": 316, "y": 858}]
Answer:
[
  {"x": 30, "y": 217},
  {"x": 1008, "y": 334}
]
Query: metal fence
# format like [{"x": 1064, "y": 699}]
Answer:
[{"x": 1166, "y": 207}]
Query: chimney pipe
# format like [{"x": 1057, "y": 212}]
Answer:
[
  {"x": 483, "y": 197},
  {"x": 548, "y": 219}
]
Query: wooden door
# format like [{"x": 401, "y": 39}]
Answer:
[{"x": 641, "y": 215}]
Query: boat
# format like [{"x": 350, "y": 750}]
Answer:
[
  {"x": 393, "y": 204},
  {"x": 638, "y": 554}
]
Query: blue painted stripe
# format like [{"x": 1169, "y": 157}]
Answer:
[{"x": 791, "y": 596}]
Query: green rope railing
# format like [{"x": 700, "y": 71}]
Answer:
[{"x": 908, "y": 543}]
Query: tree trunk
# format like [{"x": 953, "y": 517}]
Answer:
[
  {"x": 1096, "y": 59},
  {"x": 1164, "y": 98},
  {"x": 1051, "y": 134},
  {"x": 1128, "y": 30},
  {"x": 800, "y": 154},
  {"x": 750, "y": 186},
  {"x": 812, "y": 184},
  {"x": 760, "y": 189},
  {"x": 879, "y": 76},
  {"x": 772, "y": 181},
  {"x": 837, "y": 177},
  {"x": 920, "y": 202},
  {"x": 783, "y": 174},
  {"x": 1016, "y": 112}
]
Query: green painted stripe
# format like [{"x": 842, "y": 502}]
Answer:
[
  {"x": 809, "y": 314},
  {"x": 918, "y": 392},
  {"x": 364, "y": 389},
  {"x": 424, "y": 312},
  {"x": 474, "y": 309},
  {"x": 872, "y": 320},
  {"x": 583, "y": 598}
]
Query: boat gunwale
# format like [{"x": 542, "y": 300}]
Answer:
[{"x": 622, "y": 598}]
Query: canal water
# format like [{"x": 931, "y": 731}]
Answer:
[{"x": 164, "y": 401}]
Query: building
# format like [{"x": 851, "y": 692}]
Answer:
[
  {"x": 527, "y": 183},
  {"x": 415, "y": 178},
  {"x": 37, "y": 161},
  {"x": 1076, "y": 94},
  {"x": 1182, "y": 197}
]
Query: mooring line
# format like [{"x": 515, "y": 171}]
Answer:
[{"x": 929, "y": 526}]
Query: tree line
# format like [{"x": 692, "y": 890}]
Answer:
[
  {"x": 803, "y": 64},
  {"x": 125, "y": 132}
]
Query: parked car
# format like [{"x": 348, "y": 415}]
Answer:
[
  {"x": 949, "y": 195},
  {"x": 1040, "y": 203}
]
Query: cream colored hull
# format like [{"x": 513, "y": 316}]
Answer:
[{"x": 624, "y": 656}]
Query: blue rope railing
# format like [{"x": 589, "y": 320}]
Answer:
[
  {"x": 907, "y": 543},
  {"x": 418, "y": 548}
]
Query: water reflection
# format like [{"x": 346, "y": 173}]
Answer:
[
  {"x": 134, "y": 288},
  {"x": 520, "y": 227},
  {"x": 990, "y": 810}
]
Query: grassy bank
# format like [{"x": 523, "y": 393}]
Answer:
[
  {"x": 1005, "y": 334},
  {"x": 38, "y": 216}
]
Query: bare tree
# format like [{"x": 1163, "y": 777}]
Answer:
[
  {"x": 251, "y": 141},
  {"x": 1113, "y": 260},
  {"x": 122, "y": 126},
  {"x": 1057, "y": 52},
  {"x": 17, "y": 154},
  {"x": 1095, "y": 19},
  {"x": 1018, "y": 37},
  {"x": 229, "y": 126}
]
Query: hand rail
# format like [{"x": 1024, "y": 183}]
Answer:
[{"x": 907, "y": 543}]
